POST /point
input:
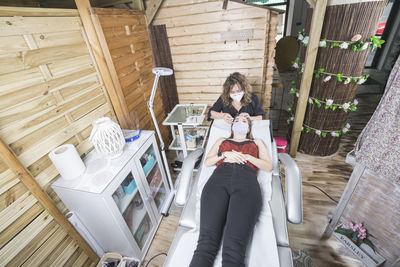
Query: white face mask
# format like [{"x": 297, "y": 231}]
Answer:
[{"x": 237, "y": 97}]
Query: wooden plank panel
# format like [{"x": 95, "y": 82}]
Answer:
[
  {"x": 36, "y": 242},
  {"x": 57, "y": 38},
  {"x": 64, "y": 255},
  {"x": 114, "y": 43},
  {"x": 15, "y": 210},
  {"x": 31, "y": 25},
  {"x": 124, "y": 30},
  {"x": 20, "y": 223},
  {"x": 38, "y": 90},
  {"x": 74, "y": 257},
  {"x": 119, "y": 20},
  {"x": 40, "y": 135},
  {"x": 7, "y": 180},
  {"x": 71, "y": 65},
  {"x": 223, "y": 73},
  {"x": 80, "y": 261},
  {"x": 41, "y": 56},
  {"x": 18, "y": 130},
  {"x": 12, "y": 44},
  {"x": 208, "y": 57},
  {"x": 217, "y": 27},
  {"x": 220, "y": 15},
  {"x": 11, "y": 195},
  {"x": 208, "y": 38},
  {"x": 44, "y": 147},
  {"x": 12, "y": 248},
  {"x": 213, "y": 81},
  {"x": 46, "y": 248},
  {"x": 12, "y": 81},
  {"x": 249, "y": 63},
  {"x": 92, "y": 105},
  {"x": 216, "y": 47}
]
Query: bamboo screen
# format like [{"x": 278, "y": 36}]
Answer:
[
  {"x": 202, "y": 60},
  {"x": 50, "y": 93},
  {"x": 125, "y": 42}
]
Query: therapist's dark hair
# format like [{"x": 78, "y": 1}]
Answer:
[{"x": 242, "y": 82}]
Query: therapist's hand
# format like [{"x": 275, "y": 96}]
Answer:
[{"x": 227, "y": 117}]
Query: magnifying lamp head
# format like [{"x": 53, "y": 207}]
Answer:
[{"x": 161, "y": 71}]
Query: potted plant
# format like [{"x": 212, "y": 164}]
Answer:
[{"x": 355, "y": 237}]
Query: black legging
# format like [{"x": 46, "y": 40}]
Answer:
[{"x": 231, "y": 198}]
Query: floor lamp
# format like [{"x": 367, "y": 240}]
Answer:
[{"x": 160, "y": 71}]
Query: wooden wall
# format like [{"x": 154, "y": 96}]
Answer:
[
  {"x": 202, "y": 61},
  {"x": 125, "y": 42},
  {"x": 50, "y": 93}
]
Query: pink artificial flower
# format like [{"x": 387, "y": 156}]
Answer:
[
  {"x": 297, "y": 94},
  {"x": 348, "y": 225},
  {"x": 358, "y": 226},
  {"x": 346, "y": 105},
  {"x": 302, "y": 69},
  {"x": 355, "y": 102},
  {"x": 318, "y": 132},
  {"x": 361, "y": 81},
  {"x": 329, "y": 102},
  {"x": 310, "y": 100},
  {"x": 327, "y": 78},
  {"x": 345, "y": 130},
  {"x": 295, "y": 65},
  {"x": 356, "y": 37},
  {"x": 333, "y": 134},
  {"x": 362, "y": 235},
  {"x": 347, "y": 125},
  {"x": 348, "y": 80}
]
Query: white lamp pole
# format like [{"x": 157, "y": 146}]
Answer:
[{"x": 159, "y": 71}]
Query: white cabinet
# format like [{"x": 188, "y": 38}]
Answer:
[{"x": 119, "y": 200}]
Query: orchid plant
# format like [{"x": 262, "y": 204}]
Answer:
[
  {"x": 355, "y": 44},
  {"x": 356, "y": 232}
]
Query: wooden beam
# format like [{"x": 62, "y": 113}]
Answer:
[
  {"x": 344, "y": 199},
  {"x": 279, "y": 11},
  {"x": 152, "y": 9},
  {"x": 225, "y": 4},
  {"x": 311, "y": 3},
  {"x": 118, "y": 104},
  {"x": 37, "y": 12},
  {"x": 9, "y": 158},
  {"x": 309, "y": 64}
]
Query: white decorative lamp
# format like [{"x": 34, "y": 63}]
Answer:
[
  {"x": 107, "y": 137},
  {"x": 160, "y": 71}
]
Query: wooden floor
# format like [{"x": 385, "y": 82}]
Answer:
[{"x": 329, "y": 173}]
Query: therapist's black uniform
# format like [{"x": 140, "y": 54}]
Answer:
[{"x": 253, "y": 108}]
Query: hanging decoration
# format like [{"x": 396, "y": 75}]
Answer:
[
  {"x": 328, "y": 76},
  {"x": 355, "y": 44},
  {"x": 327, "y": 103}
]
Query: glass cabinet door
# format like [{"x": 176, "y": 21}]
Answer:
[
  {"x": 153, "y": 172},
  {"x": 130, "y": 203}
]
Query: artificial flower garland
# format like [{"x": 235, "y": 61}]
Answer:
[
  {"x": 321, "y": 71},
  {"x": 355, "y": 44},
  {"x": 329, "y": 104},
  {"x": 322, "y": 133}
]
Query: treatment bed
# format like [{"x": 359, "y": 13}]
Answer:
[{"x": 269, "y": 245}]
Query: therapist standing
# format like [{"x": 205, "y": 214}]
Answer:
[{"x": 236, "y": 99}]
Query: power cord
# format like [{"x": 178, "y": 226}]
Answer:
[
  {"x": 334, "y": 200},
  {"x": 155, "y": 256}
]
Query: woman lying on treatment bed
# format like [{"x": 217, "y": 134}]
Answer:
[{"x": 231, "y": 197}]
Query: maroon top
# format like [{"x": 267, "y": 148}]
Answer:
[{"x": 246, "y": 147}]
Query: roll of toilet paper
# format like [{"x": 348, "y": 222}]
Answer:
[
  {"x": 83, "y": 231},
  {"x": 67, "y": 161}
]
